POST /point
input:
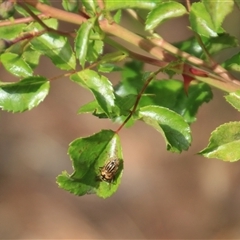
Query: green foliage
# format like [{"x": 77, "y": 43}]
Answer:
[
  {"x": 23, "y": 95},
  {"x": 100, "y": 86},
  {"x": 218, "y": 10},
  {"x": 70, "y": 6},
  {"x": 170, "y": 94},
  {"x": 88, "y": 156},
  {"x": 90, "y": 6},
  {"x": 12, "y": 31},
  {"x": 166, "y": 104},
  {"x": 82, "y": 41},
  {"x": 57, "y": 48},
  {"x": 234, "y": 99},
  {"x": 201, "y": 21},
  {"x": 123, "y": 4},
  {"x": 214, "y": 45},
  {"x": 171, "y": 125},
  {"x": 233, "y": 63},
  {"x": 15, "y": 64},
  {"x": 224, "y": 143},
  {"x": 163, "y": 12}
]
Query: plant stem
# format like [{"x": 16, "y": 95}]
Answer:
[
  {"x": 56, "y": 13},
  {"x": 138, "y": 98},
  {"x": 158, "y": 48},
  {"x": 22, "y": 20}
]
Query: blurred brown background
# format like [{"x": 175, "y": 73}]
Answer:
[{"x": 162, "y": 195}]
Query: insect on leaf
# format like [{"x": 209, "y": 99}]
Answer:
[{"x": 89, "y": 156}]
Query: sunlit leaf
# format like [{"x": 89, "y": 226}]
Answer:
[
  {"x": 117, "y": 16},
  {"x": 82, "y": 41},
  {"x": 224, "y": 143},
  {"x": 234, "y": 99},
  {"x": 233, "y": 63},
  {"x": 218, "y": 10},
  {"x": 100, "y": 86},
  {"x": 172, "y": 126},
  {"x": 90, "y": 6},
  {"x": 201, "y": 21},
  {"x": 57, "y": 48},
  {"x": 23, "y": 95},
  {"x": 88, "y": 156},
  {"x": 12, "y": 31},
  {"x": 94, "y": 108},
  {"x": 163, "y": 12},
  {"x": 31, "y": 57},
  {"x": 108, "y": 67},
  {"x": 15, "y": 64},
  {"x": 142, "y": 4},
  {"x": 70, "y": 5},
  {"x": 94, "y": 50}
]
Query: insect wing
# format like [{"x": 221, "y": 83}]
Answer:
[{"x": 112, "y": 166}]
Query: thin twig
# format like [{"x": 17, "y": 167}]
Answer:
[
  {"x": 200, "y": 42},
  {"x": 138, "y": 98},
  {"x": 157, "y": 48},
  {"x": 37, "y": 19},
  {"x": 188, "y": 5},
  {"x": 28, "y": 36},
  {"x": 22, "y": 20}
]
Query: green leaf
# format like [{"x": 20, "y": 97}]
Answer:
[
  {"x": 218, "y": 10},
  {"x": 132, "y": 79},
  {"x": 82, "y": 41},
  {"x": 224, "y": 143},
  {"x": 119, "y": 120},
  {"x": 94, "y": 49},
  {"x": 57, "y": 48},
  {"x": 117, "y": 17},
  {"x": 88, "y": 156},
  {"x": 234, "y": 99},
  {"x": 142, "y": 4},
  {"x": 15, "y": 64},
  {"x": 94, "y": 108},
  {"x": 163, "y": 12},
  {"x": 90, "y": 6},
  {"x": 233, "y": 63},
  {"x": 201, "y": 21},
  {"x": 108, "y": 67},
  {"x": 190, "y": 46},
  {"x": 65, "y": 182},
  {"x": 223, "y": 41},
  {"x": 23, "y": 95},
  {"x": 70, "y": 6},
  {"x": 170, "y": 94},
  {"x": 213, "y": 45},
  {"x": 117, "y": 56},
  {"x": 23, "y": 12},
  {"x": 172, "y": 126},
  {"x": 100, "y": 86},
  {"x": 125, "y": 103},
  {"x": 12, "y": 31},
  {"x": 35, "y": 26},
  {"x": 31, "y": 57},
  {"x": 46, "y": 2}
]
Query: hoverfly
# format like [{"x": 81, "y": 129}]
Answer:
[{"x": 109, "y": 170}]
